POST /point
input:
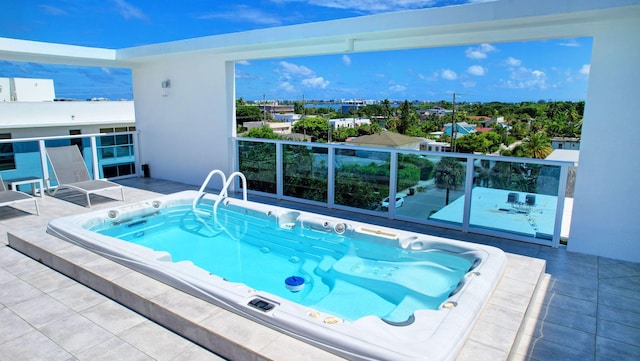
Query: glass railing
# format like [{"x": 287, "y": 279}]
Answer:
[
  {"x": 305, "y": 173},
  {"x": 25, "y": 158},
  {"x": 511, "y": 197}
]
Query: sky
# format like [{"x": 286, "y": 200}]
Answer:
[{"x": 555, "y": 69}]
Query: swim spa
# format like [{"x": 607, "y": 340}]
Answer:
[{"x": 358, "y": 290}]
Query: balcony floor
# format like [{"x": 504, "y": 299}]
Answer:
[{"x": 585, "y": 307}]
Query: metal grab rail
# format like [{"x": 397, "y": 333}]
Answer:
[
  {"x": 201, "y": 191},
  {"x": 223, "y": 192}
]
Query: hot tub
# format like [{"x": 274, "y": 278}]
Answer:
[{"x": 358, "y": 290}]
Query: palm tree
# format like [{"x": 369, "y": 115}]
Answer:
[
  {"x": 386, "y": 109},
  {"x": 538, "y": 145},
  {"x": 449, "y": 175}
]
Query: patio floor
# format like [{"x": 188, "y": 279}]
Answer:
[{"x": 585, "y": 307}]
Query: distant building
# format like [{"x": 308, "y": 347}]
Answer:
[
  {"x": 347, "y": 105},
  {"x": 569, "y": 143},
  {"x": 433, "y": 111},
  {"x": 275, "y": 108},
  {"x": 348, "y": 122},
  {"x": 277, "y": 127},
  {"x": 462, "y": 128},
  {"x": 387, "y": 139},
  {"x": 287, "y": 117},
  {"x": 434, "y": 146},
  {"x": 487, "y": 121}
]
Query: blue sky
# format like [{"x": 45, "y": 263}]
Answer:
[{"x": 551, "y": 70}]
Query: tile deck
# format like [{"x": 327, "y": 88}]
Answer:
[{"x": 584, "y": 307}]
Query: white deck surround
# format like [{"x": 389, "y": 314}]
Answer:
[{"x": 196, "y": 114}]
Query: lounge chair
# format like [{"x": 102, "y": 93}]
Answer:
[
  {"x": 9, "y": 197},
  {"x": 71, "y": 172}
]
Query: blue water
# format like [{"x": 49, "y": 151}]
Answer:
[{"x": 346, "y": 277}]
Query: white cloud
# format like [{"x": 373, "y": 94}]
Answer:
[
  {"x": 524, "y": 78},
  {"x": 286, "y": 86},
  {"x": 129, "y": 11},
  {"x": 477, "y": 70},
  {"x": 469, "y": 84},
  {"x": 290, "y": 69},
  {"x": 370, "y": 5},
  {"x": 586, "y": 69},
  {"x": 244, "y": 13},
  {"x": 243, "y": 62},
  {"x": 346, "y": 60},
  {"x": 52, "y": 10},
  {"x": 480, "y": 51},
  {"x": 316, "y": 82},
  {"x": 433, "y": 77},
  {"x": 291, "y": 74},
  {"x": 449, "y": 74},
  {"x": 572, "y": 43},
  {"x": 511, "y": 61},
  {"x": 397, "y": 88}
]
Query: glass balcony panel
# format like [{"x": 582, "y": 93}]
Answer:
[
  {"x": 124, "y": 151},
  {"x": 416, "y": 188},
  {"x": 20, "y": 160},
  {"x": 362, "y": 178},
  {"x": 122, "y": 139},
  {"x": 106, "y": 140},
  {"x": 515, "y": 197},
  {"x": 106, "y": 153},
  {"x": 305, "y": 172},
  {"x": 432, "y": 187},
  {"x": 257, "y": 161}
]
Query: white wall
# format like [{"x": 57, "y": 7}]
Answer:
[
  {"x": 607, "y": 200},
  {"x": 185, "y": 130},
  {"x": 5, "y": 90},
  {"x": 32, "y": 90},
  {"x": 71, "y": 114}
]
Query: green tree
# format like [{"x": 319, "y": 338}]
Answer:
[
  {"x": 386, "y": 109},
  {"x": 449, "y": 175},
  {"x": 298, "y": 108},
  {"x": 315, "y": 127},
  {"x": 249, "y": 113},
  {"x": 264, "y": 132},
  {"x": 407, "y": 119},
  {"x": 538, "y": 145}
]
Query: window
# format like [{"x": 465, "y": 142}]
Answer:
[
  {"x": 118, "y": 170},
  {"x": 76, "y": 141},
  {"x": 115, "y": 152},
  {"x": 7, "y": 156},
  {"x": 113, "y": 146}
]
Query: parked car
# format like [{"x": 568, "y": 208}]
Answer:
[{"x": 399, "y": 202}]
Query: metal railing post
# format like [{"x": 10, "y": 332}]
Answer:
[
  {"x": 43, "y": 164},
  {"x": 562, "y": 190},
  {"x": 393, "y": 183},
  {"x": 468, "y": 189},
  {"x": 279, "y": 170},
  {"x": 94, "y": 157},
  {"x": 331, "y": 176}
]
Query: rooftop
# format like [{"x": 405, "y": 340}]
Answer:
[{"x": 584, "y": 307}]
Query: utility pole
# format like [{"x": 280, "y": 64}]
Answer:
[
  {"x": 304, "y": 126},
  {"x": 264, "y": 104},
  {"x": 453, "y": 125}
]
